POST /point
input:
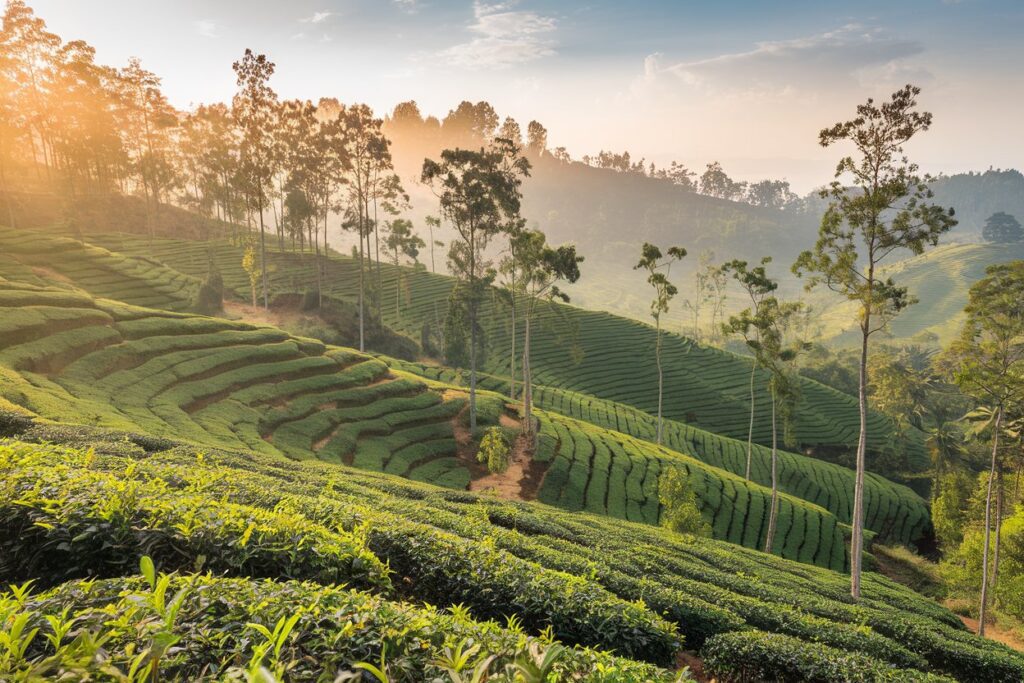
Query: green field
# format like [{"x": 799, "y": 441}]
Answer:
[
  {"x": 940, "y": 279},
  {"x": 578, "y": 573},
  {"x": 892, "y": 510},
  {"x": 704, "y": 387},
  {"x": 67, "y": 356},
  {"x": 43, "y": 259}
]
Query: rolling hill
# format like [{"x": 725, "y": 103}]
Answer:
[
  {"x": 940, "y": 279},
  {"x": 587, "y": 351}
]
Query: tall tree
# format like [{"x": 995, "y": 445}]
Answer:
[
  {"x": 1002, "y": 228},
  {"x": 402, "y": 241},
  {"x": 658, "y": 268},
  {"x": 766, "y": 334},
  {"x": 541, "y": 269},
  {"x": 987, "y": 362},
  {"x": 758, "y": 286},
  {"x": 886, "y": 210},
  {"x": 254, "y": 109},
  {"x": 479, "y": 196}
]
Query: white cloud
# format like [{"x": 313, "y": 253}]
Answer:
[
  {"x": 206, "y": 28},
  {"x": 503, "y": 37},
  {"x": 317, "y": 17},
  {"x": 410, "y": 6},
  {"x": 834, "y": 58}
]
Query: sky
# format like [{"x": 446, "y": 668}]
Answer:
[{"x": 747, "y": 83}]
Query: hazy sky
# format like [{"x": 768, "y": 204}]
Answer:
[{"x": 747, "y": 83}]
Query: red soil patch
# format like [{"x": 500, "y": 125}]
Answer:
[{"x": 993, "y": 632}]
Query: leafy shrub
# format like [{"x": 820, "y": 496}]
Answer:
[
  {"x": 752, "y": 656},
  {"x": 494, "y": 450},
  {"x": 68, "y": 521},
  {"x": 679, "y": 510},
  {"x": 223, "y": 629},
  {"x": 209, "y": 298}
]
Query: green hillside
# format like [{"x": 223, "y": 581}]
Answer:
[
  {"x": 940, "y": 279},
  {"x": 64, "y": 355},
  {"x": 605, "y": 356},
  {"x": 893, "y": 511},
  {"x": 43, "y": 259},
  {"x": 318, "y": 523}
]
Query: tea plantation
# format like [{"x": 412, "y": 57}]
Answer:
[
  {"x": 893, "y": 511},
  {"x": 67, "y": 356},
  {"x": 81, "y": 507},
  {"x": 586, "y": 351},
  {"x": 47, "y": 260}
]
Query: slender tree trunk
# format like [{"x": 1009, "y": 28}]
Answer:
[
  {"x": 512, "y": 359},
  {"x": 472, "y": 334},
  {"x": 433, "y": 268},
  {"x": 769, "y": 541},
  {"x": 998, "y": 527},
  {"x": 657, "y": 359},
  {"x": 263, "y": 244},
  {"x": 988, "y": 522},
  {"x": 376, "y": 250},
  {"x": 527, "y": 377},
  {"x": 362, "y": 284},
  {"x": 857, "y": 541},
  {"x": 750, "y": 430}
]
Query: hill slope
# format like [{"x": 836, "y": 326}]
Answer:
[
  {"x": 705, "y": 387},
  {"x": 64, "y": 355},
  {"x": 940, "y": 279}
]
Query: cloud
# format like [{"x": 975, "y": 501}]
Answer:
[
  {"x": 410, "y": 6},
  {"x": 317, "y": 17},
  {"x": 826, "y": 60},
  {"x": 206, "y": 28},
  {"x": 503, "y": 37}
]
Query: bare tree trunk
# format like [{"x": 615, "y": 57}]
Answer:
[
  {"x": 472, "y": 336},
  {"x": 657, "y": 359},
  {"x": 999, "y": 524},
  {"x": 988, "y": 522},
  {"x": 527, "y": 378},
  {"x": 750, "y": 430},
  {"x": 263, "y": 244},
  {"x": 512, "y": 359},
  {"x": 772, "y": 516},
  {"x": 857, "y": 541}
]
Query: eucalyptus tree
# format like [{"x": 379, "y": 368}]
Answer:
[
  {"x": 433, "y": 222},
  {"x": 254, "y": 108},
  {"x": 886, "y": 210},
  {"x": 987, "y": 362},
  {"x": 756, "y": 283},
  {"x": 541, "y": 269},
  {"x": 402, "y": 240},
  {"x": 479, "y": 195},
  {"x": 765, "y": 332},
  {"x": 658, "y": 267}
]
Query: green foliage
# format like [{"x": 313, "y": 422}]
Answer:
[
  {"x": 210, "y": 296},
  {"x": 679, "y": 510},
  {"x": 579, "y": 574},
  {"x": 1002, "y": 228},
  {"x": 751, "y": 656},
  {"x": 494, "y": 450}
]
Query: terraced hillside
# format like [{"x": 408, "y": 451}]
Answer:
[
  {"x": 892, "y": 511},
  {"x": 940, "y": 279},
  {"x": 591, "y": 580},
  {"x": 65, "y": 355},
  {"x": 704, "y": 387},
  {"x": 68, "y": 356},
  {"x": 46, "y": 259}
]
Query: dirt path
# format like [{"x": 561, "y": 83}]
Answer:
[
  {"x": 522, "y": 478},
  {"x": 277, "y": 317},
  {"x": 1008, "y": 638}
]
